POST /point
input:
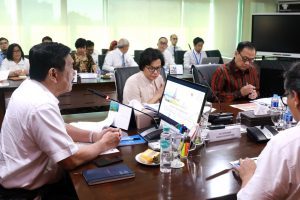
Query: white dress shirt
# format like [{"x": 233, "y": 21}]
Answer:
[
  {"x": 169, "y": 60},
  {"x": 95, "y": 57},
  {"x": 277, "y": 175},
  {"x": 12, "y": 66},
  {"x": 171, "y": 49},
  {"x": 114, "y": 59},
  {"x": 193, "y": 58},
  {"x": 33, "y": 138}
]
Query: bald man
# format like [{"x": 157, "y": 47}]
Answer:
[
  {"x": 173, "y": 47},
  {"x": 119, "y": 57}
]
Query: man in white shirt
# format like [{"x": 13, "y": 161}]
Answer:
[
  {"x": 194, "y": 56},
  {"x": 91, "y": 51},
  {"x": 162, "y": 45},
  {"x": 173, "y": 47},
  {"x": 119, "y": 57},
  {"x": 35, "y": 143},
  {"x": 277, "y": 172}
]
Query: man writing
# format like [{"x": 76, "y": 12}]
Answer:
[
  {"x": 238, "y": 79},
  {"x": 36, "y": 145}
]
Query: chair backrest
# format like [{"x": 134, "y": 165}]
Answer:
[
  {"x": 121, "y": 76},
  {"x": 101, "y": 59},
  {"x": 104, "y": 51},
  {"x": 179, "y": 57},
  {"x": 215, "y": 53},
  {"x": 137, "y": 55},
  {"x": 207, "y": 71}
]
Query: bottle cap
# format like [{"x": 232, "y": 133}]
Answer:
[{"x": 166, "y": 129}]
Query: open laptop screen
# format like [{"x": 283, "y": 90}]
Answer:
[{"x": 182, "y": 102}]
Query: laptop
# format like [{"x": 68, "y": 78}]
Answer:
[
  {"x": 182, "y": 102},
  {"x": 210, "y": 60}
]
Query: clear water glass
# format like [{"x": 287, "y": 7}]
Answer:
[{"x": 176, "y": 149}]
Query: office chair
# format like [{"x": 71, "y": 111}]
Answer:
[
  {"x": 101, "y": 59},
  {"x": 121, "y": 75},
  {"x": 207, "y": 71},
  {"x": 137, "y": 55},
  {"x": 179, "y": 57},
  {"x": 104, "y": 51},
  {"x": 215, "y": 53}
]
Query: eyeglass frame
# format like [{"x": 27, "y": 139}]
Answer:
[
  {"x": 246, "y": 59},
  {"x": 152, "y": 69}
]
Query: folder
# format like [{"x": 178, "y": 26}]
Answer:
[{"x": 107, "y": 174}]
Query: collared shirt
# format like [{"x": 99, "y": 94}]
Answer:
[
  {"x": 192, "y": 57},
  {"x": 169, "y": 60},
  {"x": 228, "y": 80},
  {"x": 114, "y": 59},
  {"x": 2, "y": 57},
  {"x": 95, "y": 57},
  {"x": 172, "y": 49},
  {"x": 33, "y": 138},
  {"x": 12, "y": 66},
  {"x": 140, "y": 88},
  {"x": 277, "y": 175},
  {"x": 83, "y": 64}
]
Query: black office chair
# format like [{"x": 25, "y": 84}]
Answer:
[
  {"x": 104, "y": 51},
  {"x": 137, "y": 55},
  {"x": 101, "y": 59},
  {"x": 215, "y": 53},
  {"x": 179, "y": 57},
  {"x": 121, "y": 75},
  {"x": 207, "y": 71}
]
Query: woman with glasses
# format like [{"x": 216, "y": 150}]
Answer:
[
  {"x": 15, "y": 61},
  {"x": 147, "y": 85},
  {"x": 277, "y": 172}
]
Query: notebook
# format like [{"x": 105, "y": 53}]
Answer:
[{"x": 107, "y": 174}]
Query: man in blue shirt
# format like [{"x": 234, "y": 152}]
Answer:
[{"x": 3, "y": 47}]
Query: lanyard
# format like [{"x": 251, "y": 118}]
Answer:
[{"x": 195, "y": 56}]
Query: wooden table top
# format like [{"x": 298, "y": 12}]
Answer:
[{"x": 188, "y": 182}]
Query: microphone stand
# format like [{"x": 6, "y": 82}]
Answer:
[
  {"x": 110, "y": 99},
  {"x": 217, "y": 118}
]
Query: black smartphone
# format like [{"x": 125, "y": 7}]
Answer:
[{"x": 100, "y": 162}]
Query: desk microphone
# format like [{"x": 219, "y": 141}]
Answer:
[
  {"x": 216, "y": 118},
  {"x": 110, "y": 99},
  {"x": 190, "y": 46}
]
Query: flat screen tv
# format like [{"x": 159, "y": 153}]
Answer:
[{"x": 276, "y": 34}]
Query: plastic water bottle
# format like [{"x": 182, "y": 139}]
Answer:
[
  {"x": 288, "y": 119},
  {"x": 165, "y": 151},
  {"x": 274, "y": 102},
  {"x": 98, "y": 71}
]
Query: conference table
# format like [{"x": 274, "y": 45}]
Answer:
[{"x": 188, "y": 182}]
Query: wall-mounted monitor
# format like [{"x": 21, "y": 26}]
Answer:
[{"x": 276, "y": 34}]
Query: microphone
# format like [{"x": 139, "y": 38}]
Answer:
[
  {"x": 110, "y": 99},
  {"x": 216, "y": 118},
  {"x": 190, "y": 46}
]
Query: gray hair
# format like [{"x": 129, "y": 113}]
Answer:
[{"x": 123, "y": 43}]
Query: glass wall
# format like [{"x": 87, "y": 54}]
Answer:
[{"x": 220, "y": 23}]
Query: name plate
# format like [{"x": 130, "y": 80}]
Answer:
[{"x": 228, "y": 132}]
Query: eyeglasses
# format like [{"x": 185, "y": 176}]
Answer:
[
  {"x": 1, "y": 43},
  {"x": 163, "y": 43},
  {"x": 284, "y": 98},
  {"x": 153, "y": 69},
  {"x": 246, "y": 59},
  {"x": 174, "y": 38}
]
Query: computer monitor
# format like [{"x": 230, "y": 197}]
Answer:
[
  {"x": 182, "y": 102},
  {"x": 179, "y": 57},
  {"x": 210, "y": 60}
]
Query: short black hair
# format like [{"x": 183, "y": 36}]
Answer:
[
  {"x": 80, "y": 43},
  {"x": 46, "y": 38},
  {"x": 45, "y": 56},
  {"x": 89, "y": 43},
  {"x": 3, "y": 38},
  {"x": 197, "y": 40},
  {"x": 292, "y": 78},
  {"x": 245, "y": 44},
  {"x": 148, "y": 56},
  {"x": 10, "y": 51}
]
